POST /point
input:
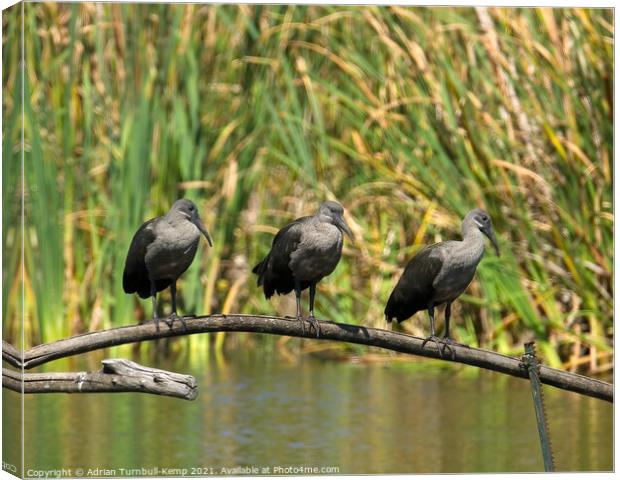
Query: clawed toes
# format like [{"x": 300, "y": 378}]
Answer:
[
  {"x": 442, "y": 344},
  {"x": 170, "y": 321},
  {"x": 315, "y": 324},
  {"x": 433, "y": 339},
  {"x": 303, "y": 325},
  {"x": 450, "y": 349},
  {"x": 183, "y": 323},
  {"x": 449, "y": 341}
]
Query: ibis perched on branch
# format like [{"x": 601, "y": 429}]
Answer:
[
  {"x": 440, "y": 273},
  {"x": 302, "y": 253},
  {"x": 161, "y": 250}
]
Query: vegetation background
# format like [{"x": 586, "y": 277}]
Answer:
[{"x": 409, "y": 117}]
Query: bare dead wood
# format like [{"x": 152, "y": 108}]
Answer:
[
  {"x": 361, "y": 335},
  {"x": 117, "y": 375},
  {"x": 11, "y": 355}
]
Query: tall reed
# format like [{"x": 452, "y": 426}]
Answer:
[{"x": 409, "y": 116}]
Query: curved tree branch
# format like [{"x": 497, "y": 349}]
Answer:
[
  {"x": 398, "y": 342},
  {"x": 117, "y": 375},
  {"x": 11, "y": 355}
]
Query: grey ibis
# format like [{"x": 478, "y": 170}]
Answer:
[
  {"x": 302, "y": 253},
  {"x": 161, "y": 250},
  {"x": 440, "y": 273}
]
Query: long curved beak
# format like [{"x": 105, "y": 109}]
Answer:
[
  {"x": 342, "y": 225},
  {"x": 489, "y": 233},
  {"x": 203, "y": 230}
]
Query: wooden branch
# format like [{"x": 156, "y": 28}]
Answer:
[
  {"x": 398, "y": 342},
  {"x": 117, "y": 375},
  {"x": 11, "y": 355}
]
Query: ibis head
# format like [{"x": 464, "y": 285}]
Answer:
[
  {"x": 482, "y": 221},
  {"x": 335, "y": 212},
  {"x": 187, "y": 208}
]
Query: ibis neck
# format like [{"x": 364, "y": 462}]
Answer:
[
  {"x": 473, "y": 241},
  {"x": 470, "y": 229},
  {"x": 472, "y": 233}
]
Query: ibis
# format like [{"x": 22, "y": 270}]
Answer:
[
  {"x": 160, "y": 251},
  {"x": 439, "y": 274},
  {"x": 302, "y": 253}
]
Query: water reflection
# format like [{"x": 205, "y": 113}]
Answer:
[{"x": 260, "y": 410}]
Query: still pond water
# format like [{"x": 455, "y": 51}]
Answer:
[{"x": 265, "y": 411}]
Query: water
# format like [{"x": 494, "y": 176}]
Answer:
[{"x": 268, "y": 412}]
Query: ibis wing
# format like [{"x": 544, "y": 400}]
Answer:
[
  {"x": 285, "y": 243},
  {"x": 273, "y": 272},
  {"x": 135, "y": 275},
  {"x": 415, "y": 286}
]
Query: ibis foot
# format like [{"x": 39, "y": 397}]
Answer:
[
  {"x": 315, "y": 324},
  {"x": 299, "y": 319},
  {"x": 303, "y": 324},
  {"x": 432, "y": 338},
  {"x": 441, "y": 344},
  {"x": 173, "y": 316},
  {"x": 450, "y": 341},
  {"x": 447, "y": 341}
]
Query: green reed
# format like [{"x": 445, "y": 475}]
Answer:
[{"x": 409, "y": 116}]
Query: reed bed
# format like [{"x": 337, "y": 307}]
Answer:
[{"x": 408, "y": 116}]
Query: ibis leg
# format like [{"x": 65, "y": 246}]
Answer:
[
  {"x": 173, "y": 290},
  {"x": 173, "y": 315},
  {"x": 313, "y": 321},
  {"x": 446, "y": 334},
  {"x": 154, "y": 299},
  {"x": 298, "y": 299},
  {"x": 431, "y": 316},
  {"x": 433, "y": 338},
  {"x": 447, "y": 340}
]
